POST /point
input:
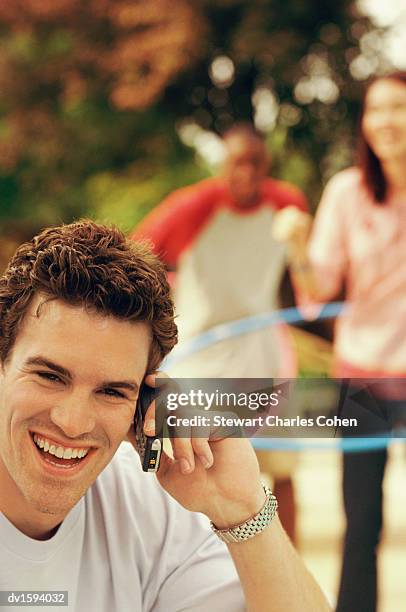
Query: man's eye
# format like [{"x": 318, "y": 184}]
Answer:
[
  {"x": 49, "y": 376},
  {"x": 113, "y": 393}
]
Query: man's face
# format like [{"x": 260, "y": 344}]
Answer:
[
  {"x": 70, "y": 385},
  {"x": 245, "y": 167}
]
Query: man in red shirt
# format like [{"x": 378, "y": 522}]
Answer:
[{"x": 216, "y": 235}]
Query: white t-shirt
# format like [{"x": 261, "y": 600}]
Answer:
[
  {"x": 127, "y": 546},
  {"x": 228, "y": 267},
  {"x": 224, "y": 277}
]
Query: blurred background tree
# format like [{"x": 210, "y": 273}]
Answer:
[{"x": 104, "y": 104}]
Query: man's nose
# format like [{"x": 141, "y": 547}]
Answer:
[
  {"x": 74, "y": 414},
  {"x": 247, "y": 171},
  {"x": 244, "y": 178}
]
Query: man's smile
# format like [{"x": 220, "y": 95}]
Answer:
[{"x": 58, "y": 459}]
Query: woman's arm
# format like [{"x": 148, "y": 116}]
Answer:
[{"x": 293, "y": 227}]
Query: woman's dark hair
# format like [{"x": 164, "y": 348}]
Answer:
[
  {"x": 94, "y": 266},
  {"x": 370, "y": 165}
]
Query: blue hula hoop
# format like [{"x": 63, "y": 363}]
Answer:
[
  {"x": 254, "y": 323},
  {"x": 346, "y": 445},
  {"x": 244, "y": 326}
]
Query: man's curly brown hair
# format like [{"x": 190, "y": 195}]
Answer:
[{"x": 94, "y": 266}]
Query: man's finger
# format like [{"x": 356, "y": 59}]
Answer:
[
  {"x": 149, "y": 420},
  {"x": 183, "y": 452},
  {"x": 201, "y": 448}
]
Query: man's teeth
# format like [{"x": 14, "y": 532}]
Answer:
[{"x": 60, "y": 451}]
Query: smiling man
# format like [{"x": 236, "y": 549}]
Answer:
[
  {"x": 67, "y": 402},
  {"x": 85, "y": 318}
]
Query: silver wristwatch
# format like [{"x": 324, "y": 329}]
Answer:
[{"x": 254, "y": 525}]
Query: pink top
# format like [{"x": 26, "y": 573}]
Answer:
[{"x": 363, "y": 245}]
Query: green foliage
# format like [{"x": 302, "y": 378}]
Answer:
[
  {"x": 90, "y": 94},
  {"x": 126, "y": 200}
]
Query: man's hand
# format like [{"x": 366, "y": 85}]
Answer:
[
  {"x": 220, "y": 478},
  {"x": 216, "y": 476}
]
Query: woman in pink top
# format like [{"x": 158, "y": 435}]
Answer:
[{"x": 359, "y": 241}]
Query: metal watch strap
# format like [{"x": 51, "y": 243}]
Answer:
[{"x": 252, "y": 526}]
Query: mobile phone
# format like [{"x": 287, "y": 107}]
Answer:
[{"x": 149, "y": 447}]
